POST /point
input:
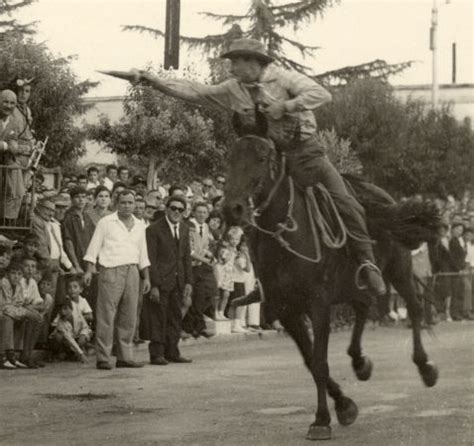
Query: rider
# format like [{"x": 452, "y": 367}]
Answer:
[{"x": 287, "y": 99}]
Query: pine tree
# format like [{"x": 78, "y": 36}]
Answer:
[
  {"x": 265, "y": 21},
  {"x": 10, "y": 26}
]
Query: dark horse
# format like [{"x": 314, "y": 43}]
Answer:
[{"x": 281, "y": 234}]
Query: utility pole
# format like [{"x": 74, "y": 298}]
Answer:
[
  {"x": 172, "y": 34},
  {"x": 434, "y": 55}
]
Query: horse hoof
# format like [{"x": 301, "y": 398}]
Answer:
[
  {"x": 364, "y": 370},
  {"x": 318, "y": 433},
  {"x": 429, "y": 373},
  {"x": 346, "y": 411}
]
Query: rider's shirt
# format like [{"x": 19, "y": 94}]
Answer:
[{"x": 300, "y": 94}]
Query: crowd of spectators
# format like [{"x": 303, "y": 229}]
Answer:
[
  {"x": 109, "y": 262},
  {"x": 444, "y": 270}
]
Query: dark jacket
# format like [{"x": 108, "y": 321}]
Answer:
[
  {"x": 457, "y": 255},
  {"x": 170, "y": 264}
]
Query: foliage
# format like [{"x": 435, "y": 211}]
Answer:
[
  {"x": 264, "y": 20},
  {"x": 56, "y": 99},
  {"x": 339, "y": 151},
  {"x": 183, "y": 139},
  {"x": 10, "y": 27},
  {"x": 404, "y": 147}
]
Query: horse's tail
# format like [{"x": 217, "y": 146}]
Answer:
[{"x": 409, "y": 223}]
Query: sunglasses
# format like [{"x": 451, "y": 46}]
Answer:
[
  {"x": 221, "y": 182},
  {"x": 176, "y": 209},
  {"x": 207, "y": 185}
]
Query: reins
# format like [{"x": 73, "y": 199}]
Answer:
[{"x": 332, "y": 239}]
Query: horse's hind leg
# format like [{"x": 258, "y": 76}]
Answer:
[
  {"x": 401, "y": 277},
  {"x": 361, "y": 364},
  {"x": 346, "y": 409}
]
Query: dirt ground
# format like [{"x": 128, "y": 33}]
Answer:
[{"x": 254, "y": 391}]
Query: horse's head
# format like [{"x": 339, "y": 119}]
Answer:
[{"x": 252, "y": 163}]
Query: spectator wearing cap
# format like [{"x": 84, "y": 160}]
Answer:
[
  {"x": 169, "y": 251},
  {"x": 62, "y": 203},
  {"x": 77, "y": 229},
  {"x": 101, "y": 207},
  {"x": 120, "y": 248},
  {"x": 111, "y": 176},
  {"x": 123, "y": 174},
  {"x": 92, "y": 178}
]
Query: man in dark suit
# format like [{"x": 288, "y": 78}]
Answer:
[{"x": 169, "y": 251}]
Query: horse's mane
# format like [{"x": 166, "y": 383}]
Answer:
[{"x": 410, "y": 223}]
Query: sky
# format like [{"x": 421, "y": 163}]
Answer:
[{"x": 351, "y": 32}]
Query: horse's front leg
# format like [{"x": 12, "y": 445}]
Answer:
[
  {"x": 320, "y": 429},
  {"x": 406, "y": 288},
  {"x": 361, "y": 364},
  {"x": 293, "y": 321}
]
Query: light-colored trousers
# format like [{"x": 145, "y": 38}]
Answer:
[{"x": 116, "y": 311}]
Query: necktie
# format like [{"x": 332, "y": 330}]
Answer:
[
  {"x": 176, "y": 238},
  {"x": 200, "y": 230}
]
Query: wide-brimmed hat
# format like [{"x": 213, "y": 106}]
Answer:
[{"x": 247, "y": 48}]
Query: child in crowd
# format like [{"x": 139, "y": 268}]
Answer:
[
  {"x": 45, "y": 286},
  {"x": 241, "y": 262},
  {"x": 223, "y": 271},
  {"x": 19, "y": 320},
  {"x": 80, "y": 306},
  {"x": 71, "y": 333}
]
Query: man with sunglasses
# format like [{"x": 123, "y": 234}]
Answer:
[{"x": 169, "y": 251}]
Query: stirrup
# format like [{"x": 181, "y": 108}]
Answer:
[{"x": 365, "y": 264}]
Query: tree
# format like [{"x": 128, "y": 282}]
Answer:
[
  {"x": 10, "y": 27},
  {"x": 404, "y": 147},
  {"x": 265, "y": 21},
  {"x": 169, "y": 137},
  {"x": 56, "y": 101}
]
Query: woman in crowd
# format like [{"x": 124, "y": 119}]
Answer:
[{"x": 102, "y": 202}]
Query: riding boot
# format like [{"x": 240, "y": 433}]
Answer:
[{"x": 368, "y": 275}]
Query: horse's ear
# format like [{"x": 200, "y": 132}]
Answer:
[
  {"x": 261, "y": 124},
  {"x": 237, "y": 124}
]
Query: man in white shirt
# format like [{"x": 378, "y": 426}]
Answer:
[{"x": 119, "y": 246}]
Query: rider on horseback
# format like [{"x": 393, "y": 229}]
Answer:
[{"x": 287, "y": 99}]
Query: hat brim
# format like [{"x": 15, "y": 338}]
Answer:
[{"x": 247, "y": 53}]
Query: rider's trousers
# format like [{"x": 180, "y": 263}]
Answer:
[{"x": 309, "y": 165}]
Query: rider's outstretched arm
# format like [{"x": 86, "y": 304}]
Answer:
[{"x": 191, "y": 91}]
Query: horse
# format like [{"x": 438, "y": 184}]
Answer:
[{"x": 301, "y": 277}]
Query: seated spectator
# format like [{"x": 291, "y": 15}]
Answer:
[
  {"x": 92, "y": 178},
  {"x": 21, "y": 308},
  {"x": 71, "y": 333},
  {"x": 102, "y": 200},
  {"x": 28, "y": 248},
  {"x": 74, "y": 287}
]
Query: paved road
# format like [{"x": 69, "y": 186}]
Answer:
[{"x": 253, "y": 392}]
